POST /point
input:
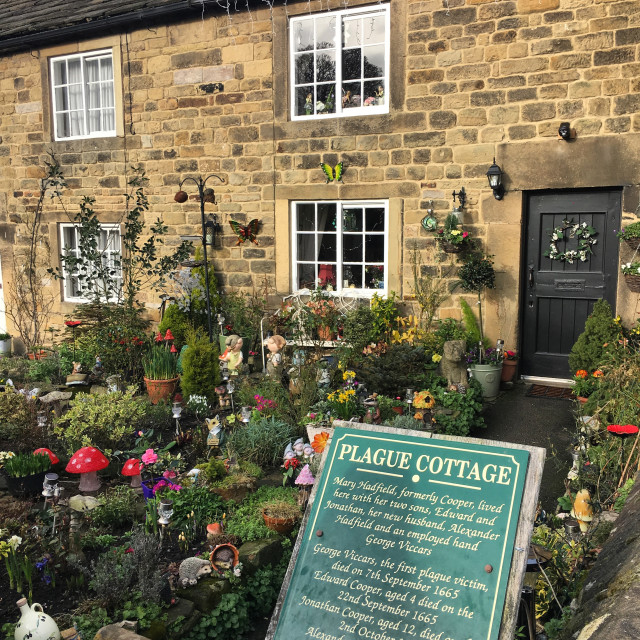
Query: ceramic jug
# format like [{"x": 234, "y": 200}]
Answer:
[{"x": 34, "y": 623}]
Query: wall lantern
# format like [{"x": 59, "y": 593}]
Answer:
[
  {"x": 495, "y": 180},
  {"x": 212, "y": 230},
  {"x": 565, "y": 132}
]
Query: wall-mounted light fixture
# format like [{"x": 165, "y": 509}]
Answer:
[
  {"x": 565, "y": 132},
  {"x": 212, "y": 231},
  {"x": 495, "y": 180}
]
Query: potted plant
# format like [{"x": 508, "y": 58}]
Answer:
[
  {"x": 160, "y": 374},
  {"x": 25, "y": 472},
  {"x": 631, "y": 235},
  {"x": 322, "y": 315},
  {"x": 509, "y": 366},
  {"x": 631, "y": 271},
  {"x": 5, "y": 345},
  {"x": 584, "y": 384},
  {"x": 452, "y": 239},
  {"x": 476, "y": 275},
  {"x": 280, "y": 516}
]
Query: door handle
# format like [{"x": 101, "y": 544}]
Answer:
[{"x": 531, "y": 278}]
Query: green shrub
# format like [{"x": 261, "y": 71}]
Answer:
[
  {"x": 449, "y": 329},
  {"x": 201, "y": 367},
  {"x": 117, "y": 510},
  {"x": 45, "y": 370},
  {"x": 261, "y": 441},
  {"x": 462, "y": 411},
  {"x": 600, "y": 329},
  {"x": 391, "y": 373},
  {"x": 18, "y": 424},
  {"x": 101, "y": 420},
  {"x": 246, "y": 521},
  {"x": 359, "y": 329},
  {"x": 206, "y": 506},
  {"x": 177, "y": 321}
]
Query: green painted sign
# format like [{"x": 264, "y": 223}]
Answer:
[{"x": 408, "y": 538}]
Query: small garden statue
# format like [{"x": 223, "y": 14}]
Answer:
[
  {"x": 289, "y": 453},
  {"x": 98, "y": 369},
  {"x": 193, "y": 568},
  {"x": 275, "y": 344},
  {"x": 298, "y": 447},
  {"x": 373, "y": 410},
  {"x": 233, "y": 354},
  {"x": 452, "y": 366},
  {"x": 223, "y": 396}
]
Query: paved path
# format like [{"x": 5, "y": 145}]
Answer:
[{"x": 539, "y": 422}]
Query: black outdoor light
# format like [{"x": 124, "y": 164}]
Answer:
[
  {"x": 210, "y": 229},
  {"x": 495, "y": 180}
]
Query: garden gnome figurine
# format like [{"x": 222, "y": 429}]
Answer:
[
  {"x": 289, "y": 453},
  {"x": 274, "y": 344},
  {"x": 453, "y": 368},
  {"x": 223, "y": 396},
  {"x": 233, "y": 354},
  {"x": 298, "y": 447}
]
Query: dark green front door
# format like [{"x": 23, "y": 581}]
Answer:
[{"x": 558, "y": 295}]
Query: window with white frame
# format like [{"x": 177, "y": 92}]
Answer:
[
  {"x": 78, "y": 285},
  {"x": 83, "y": 95},
  {"x": 340, "y": 63},
  {"x": 341, "y": 246}
]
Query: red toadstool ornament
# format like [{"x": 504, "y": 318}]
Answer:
[
  {"x": 52, "y": 456},
  {"x": 168, "y": 336},
  {"x": 173, "y": 349},
  {"x": 159, "y": 337},
  {"x": 87, "y": 462},
  {"x": 133, "y": 468}
]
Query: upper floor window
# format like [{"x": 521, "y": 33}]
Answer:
[
  {"x": 82, "y": 282},
  {"x": 340, "y": 246},
  {"x": 83, "y": 95},
  {"x": 340, "y": 63}
]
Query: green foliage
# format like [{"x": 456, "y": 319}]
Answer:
[
  {"x": 45, "y": 370},
  {"x": 391, "y": 373},
  {"x": 201, "y": 367},
  {"x": 160, "y": 364},
  {"x": 470, "y": 323},
  {"x": 177, "y": 321},
  {"x": 26, "y": 464},
  {"x": 358, "y": 328},
  {"x": 385, "y": 312},
  {"x": 261, "y": 441},
  {"x": 599, "y": 329},
  {"x": 448, "y": 329},
  {"x": 94, "y": 539},
  {"x": 477, "y": 273},
  {"x": 140, "y": 609},
  {"x": 629, "y": 232},
  {"x": 461, "y": 411},
  {"x": 405, "y": 421},
  {"x": 230, "y": 619},
  {"x": 117, "y": 510},
  {"x": 429, "y": 288},
  {"x": 213, "y": 470},
  {"x": 206, "y": 506},
  {"x": 88, "y": 624},
  {"x": 243, "y": 313},
  {"x": 18, "y": 424},
  {"x": 101, "y": 420},
  {"x": 246, "y": 521},
  {"x": 113, "y": 574}
]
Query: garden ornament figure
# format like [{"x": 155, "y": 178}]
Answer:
[
  {"x": 193, "y": 568},
  {"x": 223, "y": 396},
  {"x": 452, "y": 366},
  {"x": 274, "y": 344},
  {"x": 233, "y": 354}
]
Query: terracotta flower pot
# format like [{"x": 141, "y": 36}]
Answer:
[
  {"x": 160, "y": 389},
  {"x": 279, "y": 525},
  {"x": 582, "y": 399},
  {"x": 325, "y": 333},
  {"x": 398, "y": 410},
  {"x": 508, "y": 370}
]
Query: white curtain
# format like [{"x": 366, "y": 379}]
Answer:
[{"x": 76, "y": 98}]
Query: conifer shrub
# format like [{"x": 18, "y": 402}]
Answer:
[
  {"x": 201, "y": 367},
  {"x": 177, "y": 321},
  {"x": 600, "y": 329}
]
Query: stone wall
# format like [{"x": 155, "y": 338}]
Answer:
[{"x": 471, "y": 80}]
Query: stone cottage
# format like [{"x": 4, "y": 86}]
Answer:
[{"x": 416, "y": 99}]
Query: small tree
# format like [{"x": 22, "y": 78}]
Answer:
[
  {"x": 600, "y": 329},
  {"x": 200, "y": 365},
  {"x": 30, "y": 302},
  {"x": 476, "y": 275},
  {"x": 121, "y": 275}
]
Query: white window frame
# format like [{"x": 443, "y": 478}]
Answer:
[
  {"x": 377, "y": 10},
  {"x": 108, "y": 253},
  {"x": 83, "y": 57},
  {"x": 340, "y": 289}
]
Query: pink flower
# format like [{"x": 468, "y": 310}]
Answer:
[
  {"x": 465, "y": 234},
  {"x": 169, "y": 474},
  {"x": 149, "y": 457}
]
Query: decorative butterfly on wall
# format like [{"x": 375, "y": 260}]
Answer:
[
  {"x": 332, "y": 173},
  {"x": 245, "y": 232}
]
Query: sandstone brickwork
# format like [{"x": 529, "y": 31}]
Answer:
[{"x": 470, "y": 80}]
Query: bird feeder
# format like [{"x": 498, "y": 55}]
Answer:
[{"x": 87, "y": 462}]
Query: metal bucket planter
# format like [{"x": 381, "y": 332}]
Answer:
[{"x": 488, "y": 375}]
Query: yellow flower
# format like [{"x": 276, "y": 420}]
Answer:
[
  {"x": 348, "y": 375},
  {"x": 436, "y": 357}
]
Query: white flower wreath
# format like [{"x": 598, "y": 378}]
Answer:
[{"x": 570, "y": 229}]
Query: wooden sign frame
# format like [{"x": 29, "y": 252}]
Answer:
[{"x": 524, "y": 530}]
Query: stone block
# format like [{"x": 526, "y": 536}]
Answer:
[
  {"x": 464, "y": 15},
  {"x": 425, "y": 76},
  {"x": 628, "y": 36},
  {"x": 519, "y": 95},
  {"x": 206, "y": 595},
  {"x": 538, "y": 111},
  {"x": 552, "y": 91},
  {"x": 537, "y": 6},
  {"x": 442, "y": 119},
  {"x": 626, "y": 104},
  {"x": 504, "y": 115},
  {"x": 593, "y": 41},
  {"x": 555, "y": 45},
  {"x": 614, "y": 56},
  {"x": 487, "y": 98},
  {"x": 116, "y": 632},
  {"x": 472, "y": 117},
  {"x": 473, "y": 154},
  {"x": 524, "y": 65},
  {"x": 522, "y": 132},
  {"x": 568, "y": 109},
  {"x": 617, "y": 125},
  {"x": 424, "y": 139}
]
